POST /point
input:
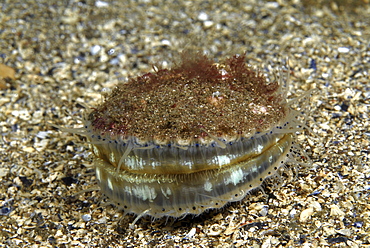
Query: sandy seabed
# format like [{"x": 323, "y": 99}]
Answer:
[{"x": 56, "y": 57}]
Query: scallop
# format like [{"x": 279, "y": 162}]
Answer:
[{"x": 194, "y": 137}]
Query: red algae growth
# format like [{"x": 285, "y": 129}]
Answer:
[
  {"x": 228, "y": 100},
  {"x": 195, "y": 137}
]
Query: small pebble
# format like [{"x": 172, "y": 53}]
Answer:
[
  {"x": 336, "y": 211},
  {"x": 101, "y": 4},
  {"x": 358, "y": 224},
  {"x": 191, "y": 233},
  {"x": 86, "y": 217},
  {"x": 343, "y": 49},
  {"x": 95, "y": 50},
  {"x": 306, "y": 214},
  {"x": 202, "y": 16}
]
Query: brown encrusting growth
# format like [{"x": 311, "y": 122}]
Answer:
[{"x": 227, "y": 100}]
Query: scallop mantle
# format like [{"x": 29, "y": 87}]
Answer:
[{"x": 183, "y": 140}]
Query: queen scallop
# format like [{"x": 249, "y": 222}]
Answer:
[{"x": 183, "y": 140}]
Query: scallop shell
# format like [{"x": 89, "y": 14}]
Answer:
[{"x": 195, "y": 137}]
